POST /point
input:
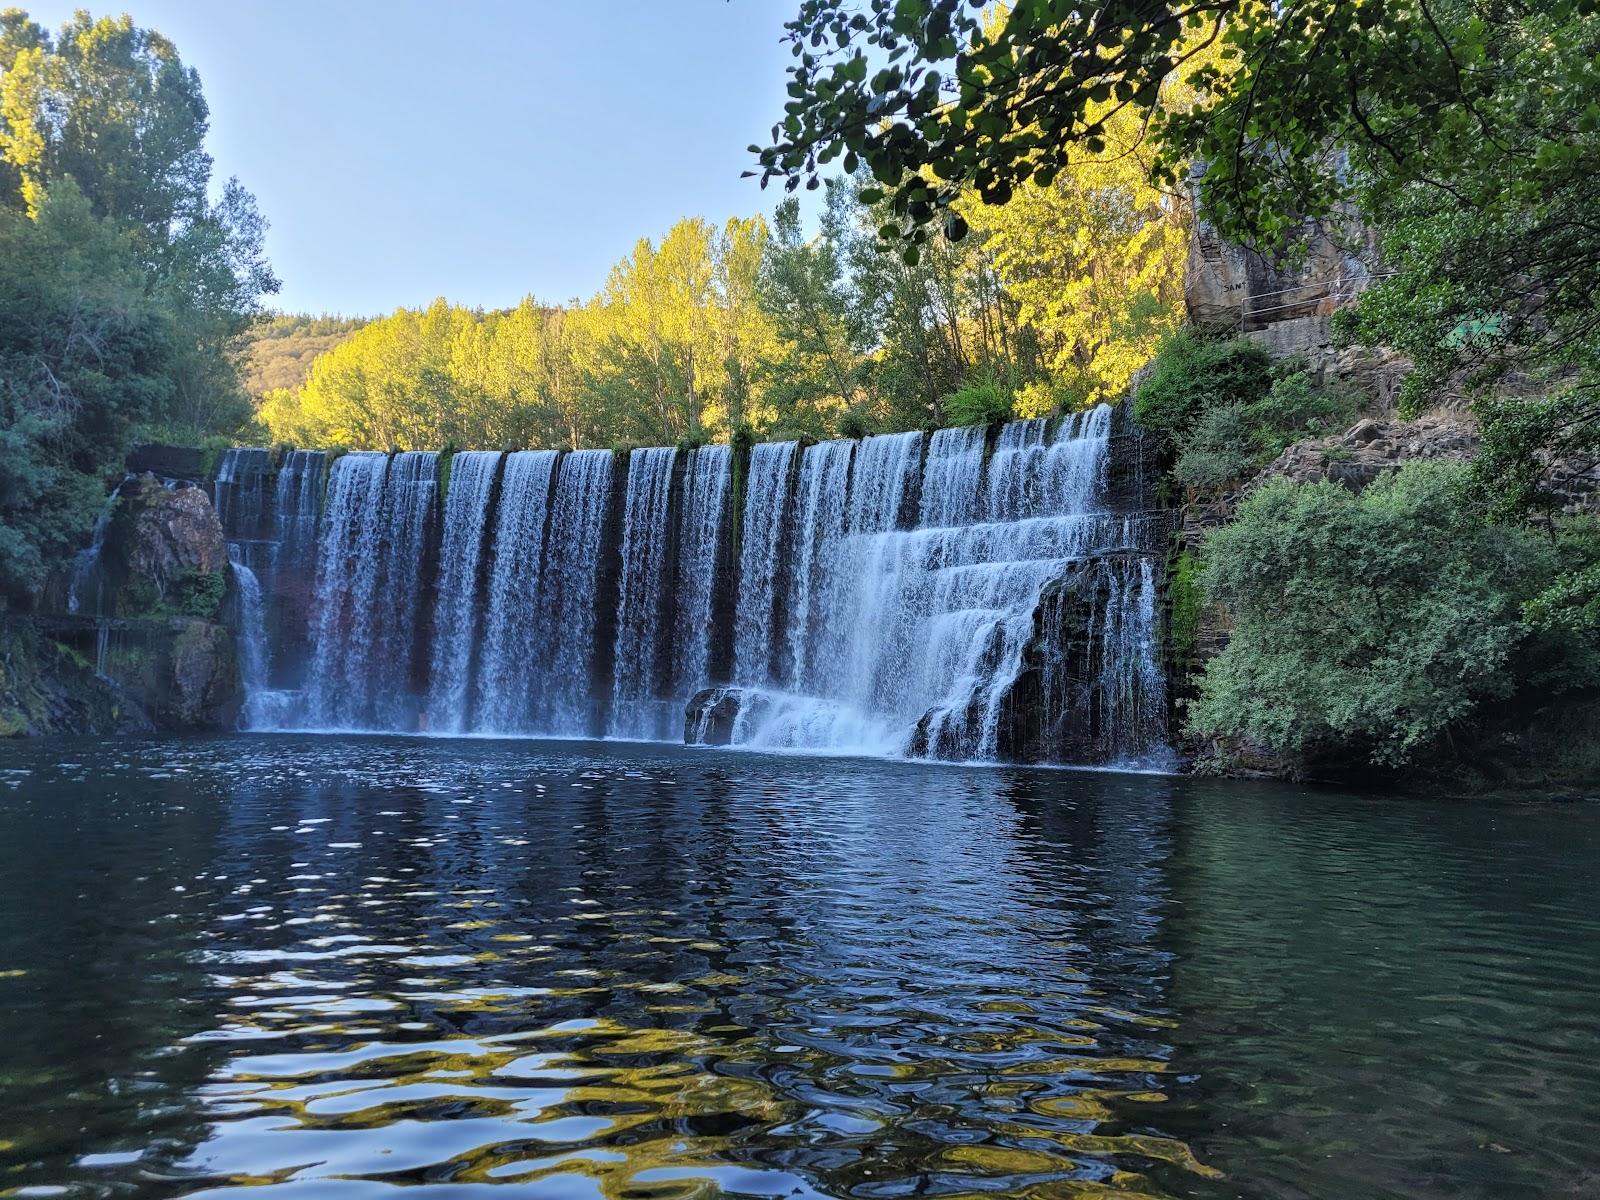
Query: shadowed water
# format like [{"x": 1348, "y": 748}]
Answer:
[{"x": 328, "y": 967}]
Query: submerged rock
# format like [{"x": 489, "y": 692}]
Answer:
[{"x": 710, "y": 717}]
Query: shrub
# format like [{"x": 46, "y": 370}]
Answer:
[
  {"x": 1220, "y": 448},
  {"x": 1369, "y": 626},
  {"x": 1295, "y": 407},
  {"x": 977, "y": 404},
  {"x": 198, "y": 593},
  {"x": 693, "y": 441},
  {"x": 1184, "y": 600},
  {"x": 1191, "y": 374},
  {"x": 852, "y": 423}
]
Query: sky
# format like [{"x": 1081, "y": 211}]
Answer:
[{"x": 480, "y": 150}]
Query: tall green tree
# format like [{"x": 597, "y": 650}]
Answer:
[
  {"x": 113, "y": 108},
  {"x": 86, "y": 353}
]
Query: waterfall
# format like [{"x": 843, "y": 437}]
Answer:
[
  {"x": 252, "y": 636},
  {"x": 511, "y": 658},
  {"x": 640, "y": 653},
  {"x": 912, "y": 641},
  {"x": 953, "y": 476},
  {"x": 369, "y": 578},
  {"x": 456, "y": 608},
  {"x": 702, "y": 518},
  {"x": 819, "y": 526},
  {"x": 572, "y": 567},
  {"x": 239, "y": 494},
  {"x": 767, "y": 499},
  {"x": 970, "y": 594},
  {"x": 297, "y": 505}
]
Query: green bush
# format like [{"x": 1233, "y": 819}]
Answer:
[
  {"x": 1371, "y": 627},
  {"x": 1185, "y": 597},
  {"x": 1295, "y": 407},
  {"x": 693, "y": 441},
  {"x": 852, "y": 423},
  {"x": 977, "y": 404},
  {"x": 1220, "y": 448},
  {"x": 198, "y": 593},
  {"x": 1191, "y": 374}
]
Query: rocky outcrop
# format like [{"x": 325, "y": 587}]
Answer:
[
  {"x": 162, "y": 540},
  {"x": 47, "y": 686},
  {"x": 1229, "y": 288},
  {"x": 711, "y": 714},
  {"x": 1370, "y": 448},
  {"x": 143, "y": 647}
]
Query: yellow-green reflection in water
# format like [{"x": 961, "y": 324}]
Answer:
[{"x": 328, "y": 968}]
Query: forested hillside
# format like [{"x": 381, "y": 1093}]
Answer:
[{"x": 279, "y": 350}]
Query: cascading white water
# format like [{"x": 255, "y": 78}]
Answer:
[
  {"x": 253, "y": 653},
  {"x": 297, "y": 506},
  {"x": 511, "y": 657},
  {"x": 922, "y": 634},
  {"x": 456, "y": 607},
  {"x": 766, "y": 520},
  {"x": 637, "y": 708},
  {"x": 820, "y": 523},
  {"x": 579, "y": 509},
  {"x": 702, "y": 522},
  {"x": 368, "y": 590},
  {"x": 963, "y": 595}
]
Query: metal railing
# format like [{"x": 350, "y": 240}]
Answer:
[{"x": 1341, "y": 291}]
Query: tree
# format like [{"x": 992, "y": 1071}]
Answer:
[
  {"x": 85, "y": 354},
  {"x": 1470, "y": 133},
  {"x": 111, "y": 107}
]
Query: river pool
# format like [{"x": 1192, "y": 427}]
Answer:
[{"x": 328, "y": 967}]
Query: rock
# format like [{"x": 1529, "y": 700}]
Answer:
[
  {"x": 1230, "y": 288},
  {"x": 202, "y": 675},
  {"x": 47, "y": 686},
  {"x": 1371, "y": 448},
  {"x": 175, "y": 531},
  {"x": 1100, "y": 715},
  {"x": 710, "y": 715}
]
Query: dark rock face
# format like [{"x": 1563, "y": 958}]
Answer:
[
  {"x": 165, "y": 533},
  {"x": 1081, "y": 695},
  {"x": 47, "y": 686},
  {"x": 710, "y": 715}
]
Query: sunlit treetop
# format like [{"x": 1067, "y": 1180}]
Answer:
[{"x": 936, "y": 97}]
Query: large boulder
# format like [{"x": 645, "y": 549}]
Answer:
[
  {"x": 164, "y": 551},
  {"x": 712, "y": 713}
]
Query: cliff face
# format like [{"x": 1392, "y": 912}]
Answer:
[{"x": 135, "y": 642}]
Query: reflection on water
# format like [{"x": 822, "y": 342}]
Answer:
[{"x": 329, "y": 967}]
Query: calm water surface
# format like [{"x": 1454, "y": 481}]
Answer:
[{"x": 333, "y": 967}]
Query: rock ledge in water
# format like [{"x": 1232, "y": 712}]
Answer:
[{"x": 711, "y": 714}]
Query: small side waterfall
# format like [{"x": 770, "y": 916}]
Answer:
[
  {"x": 253, "y": 652},
  {"x": 970, "y": 594}
]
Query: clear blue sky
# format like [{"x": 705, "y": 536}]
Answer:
[{"x": 478, "y": 150}]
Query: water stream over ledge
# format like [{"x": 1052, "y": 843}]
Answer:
[{"x": 332, "y": 967}]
